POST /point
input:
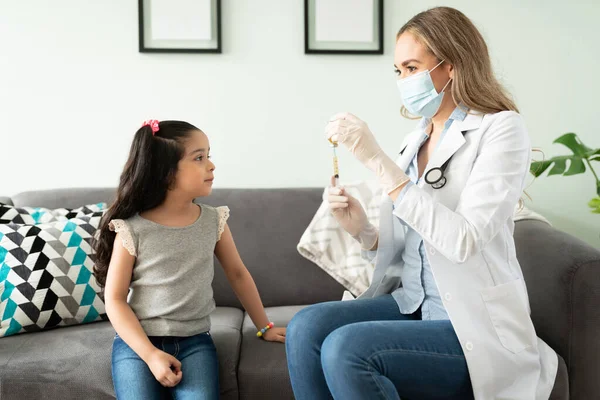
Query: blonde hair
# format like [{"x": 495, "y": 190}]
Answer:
[{"x": 450, "y": 36}]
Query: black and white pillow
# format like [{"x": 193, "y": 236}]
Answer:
[
  {"x": 46, "y": 276},
  {"x": 40, "y": 215}
]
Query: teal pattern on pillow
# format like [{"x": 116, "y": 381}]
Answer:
[
  {"x": 46, "y": 278},
  {"x": 40, "y": 215}
]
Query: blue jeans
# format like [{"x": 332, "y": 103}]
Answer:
[
  {"x": 366, "y": 349},
  {"x": 133, "y": 379}
]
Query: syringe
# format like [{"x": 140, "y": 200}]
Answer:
[{"x": 336, "y": 170}]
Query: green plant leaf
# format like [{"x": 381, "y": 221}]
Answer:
[
  {"x": 538, "y": 167},
  {"x": 560, "y": 164},
  {"x": 576, "y": 167},
  {"x": 571, "y": 141},
  {"x": 595, "y": 205},
  {"x": 577, "y": 161},
  {"x": 592, "y": 153}
]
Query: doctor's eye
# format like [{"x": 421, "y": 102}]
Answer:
[
  {"x": 411, "y": 69},
  {"x": 396, "y": 71}
]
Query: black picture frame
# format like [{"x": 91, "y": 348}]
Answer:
[
  {"x": 309, "y": 42},
  {"x": 214, "y": 47}
]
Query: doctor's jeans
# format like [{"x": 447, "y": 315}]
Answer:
[{"x": 366, "y": 349}]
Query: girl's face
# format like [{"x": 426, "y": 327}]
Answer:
[{"x": 195, "y": 171}]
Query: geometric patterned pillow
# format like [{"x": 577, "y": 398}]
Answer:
[
  {"x": 39, "y": 215},
  {"x": 46, "y": 276}
]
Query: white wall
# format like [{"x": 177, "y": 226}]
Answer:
[{"x": 74, "y": 88}]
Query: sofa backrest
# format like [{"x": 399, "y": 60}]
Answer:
[{"x": 266, "y": 225}]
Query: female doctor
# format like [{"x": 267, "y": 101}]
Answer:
[{"x": 447, "y": 313}]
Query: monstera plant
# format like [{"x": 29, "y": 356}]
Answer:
[{"x": 582, "y": 156}]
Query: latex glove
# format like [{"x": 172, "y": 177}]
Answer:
[
  {"x": 351, "y": 216},
  {"x": 354, "y": 133}
]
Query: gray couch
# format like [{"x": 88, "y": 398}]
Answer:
[{"x": 562, "y": 274}]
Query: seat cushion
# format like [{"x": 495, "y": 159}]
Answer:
[
  {"x": 74, "y": 362},
  {"x": 263, "y": 371},
  {"x": 64, "y": 363},
  {"x": 226, "y": 332}
]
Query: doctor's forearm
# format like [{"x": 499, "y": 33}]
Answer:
[
  {"x": 375, "y": 245},
  {"x": 396, "y": 192}
]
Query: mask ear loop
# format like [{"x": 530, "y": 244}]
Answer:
[
  {"x": 440, "y": 63},
  {"x": 449, "y": 80},
  {"x": 446, "y": 85}
]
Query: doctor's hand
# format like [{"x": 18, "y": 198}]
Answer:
[
  {"x": 352, "y": 132},
  {"x": 349, "y": 130},
  {"x": 351, "y": 216}
]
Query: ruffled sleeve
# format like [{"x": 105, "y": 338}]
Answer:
[
  {"x": 121, "y": 227},
  {"x": 223, "y": 215}
]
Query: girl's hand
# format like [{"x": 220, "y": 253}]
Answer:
[
  {"x": 165, "y": 368},
  {"x": 275, "y": 335}
]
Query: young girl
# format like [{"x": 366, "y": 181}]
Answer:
[{"x": 157, "y": 245}]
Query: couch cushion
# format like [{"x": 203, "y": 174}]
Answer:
[
  {"x": 263, "y": 371},
  {"x": 267, "y": 225},
  {"x": 226, "y": 331},
  {"x": 65, "y": 363},
  {"x": 74, "y": 362},
  {"x": 69, "y": 198}
]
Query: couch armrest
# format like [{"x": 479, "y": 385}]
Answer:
[{"x": 563, "y": 280}]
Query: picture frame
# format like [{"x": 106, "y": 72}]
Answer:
[
  {"x": 181, "y": 26},
  {"x": 343, "y": 26}
]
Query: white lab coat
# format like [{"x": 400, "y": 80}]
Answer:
[{"x": 467, "y": 229}]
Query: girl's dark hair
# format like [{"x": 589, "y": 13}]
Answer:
[{"x": 148, "y": 174}]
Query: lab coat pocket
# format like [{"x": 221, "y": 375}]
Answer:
[{"x": 507, "y": 307}]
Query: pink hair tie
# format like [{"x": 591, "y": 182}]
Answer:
[{"x": 152, "y": 123}]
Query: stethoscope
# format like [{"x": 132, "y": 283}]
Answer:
[{"x": 435, "y": 176}]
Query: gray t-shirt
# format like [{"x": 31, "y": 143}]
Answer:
[{"x": 171, "y": 287}]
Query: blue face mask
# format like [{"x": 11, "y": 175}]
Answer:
[{"x": 419, "y": 95}]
